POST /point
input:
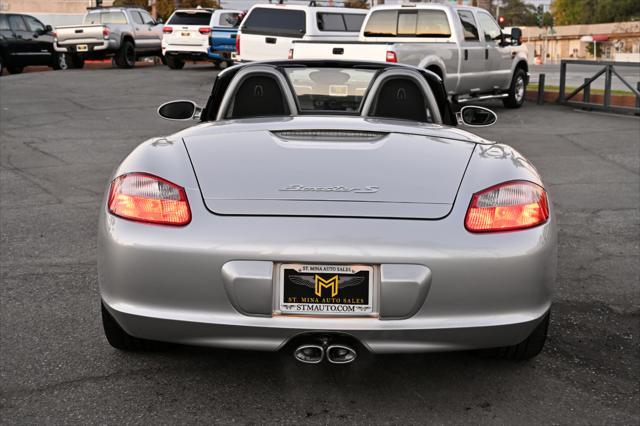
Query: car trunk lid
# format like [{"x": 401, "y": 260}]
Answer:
[{"x": 329, "y": 173}]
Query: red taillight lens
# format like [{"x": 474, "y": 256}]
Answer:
[
  {"x": 167, "y": 30},
  {"x": 391, "y": 56},
  {"x": 147, "y": 198},
  {"x": 238, "y": 44},
  {"x": 204, "y": 30},
  {"x": 508, "y": 206},
  {"x": 105, "y": 32},
  {"x": 290, "y": 55}
]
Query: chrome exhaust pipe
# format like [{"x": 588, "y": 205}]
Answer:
[
  {"x": 340, "y": 354},
  {"x": 309, "y": 354}
]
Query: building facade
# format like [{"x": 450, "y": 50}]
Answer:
[{"x": 619, "y": 41}]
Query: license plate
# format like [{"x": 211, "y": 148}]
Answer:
[
  {"x": 82, "y": 48},
  {"x": 326, "y": 289},
  {"x": 185, "y": 34}
]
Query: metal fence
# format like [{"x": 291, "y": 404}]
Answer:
[{"x": 608, "y": 68}]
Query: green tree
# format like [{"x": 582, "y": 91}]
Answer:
[{"x": 571, "y": 12}]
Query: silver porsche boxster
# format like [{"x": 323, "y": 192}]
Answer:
[{"x": 327, "y": 208}]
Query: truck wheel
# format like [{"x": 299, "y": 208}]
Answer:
[
  {"x": 517, "y": 90},
  {"x": 527, "y": 349},
  {"x": 126, "y": 56},
  {"x": 120, "y": 339},
  {"x": 175, "y": 63},
  {"x": 77, "y": 62},
  {"x": 61, "y": 61}
]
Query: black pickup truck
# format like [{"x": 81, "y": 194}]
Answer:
[{"x": 26, "y": 41}]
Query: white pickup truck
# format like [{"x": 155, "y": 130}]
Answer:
[{"x": 463, "y": 45}]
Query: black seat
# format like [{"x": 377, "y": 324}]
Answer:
[
  {"x": 259, "y": 96},
  {"x": 400, "y": 98}
]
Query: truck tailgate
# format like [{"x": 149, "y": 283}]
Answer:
[
  {"x": 341, "y": 50},
  {"x": 80, "y": 34}
]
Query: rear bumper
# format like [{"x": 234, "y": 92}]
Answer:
[
  {"x": 212, "y": 281},
  {"x": 92, "y": 46},
  {"x": 236, "y": 332}
]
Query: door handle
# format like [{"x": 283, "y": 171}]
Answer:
[
  {"x": 513, "y": 54},
  {"x": 338, "y": 50},
  {"x": 466, "y": 54},
  {"x": 486, "y": 54},
  {"x": 270, "y": 40}
]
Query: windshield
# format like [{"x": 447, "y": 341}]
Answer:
[{"x": 329, "y": 89}]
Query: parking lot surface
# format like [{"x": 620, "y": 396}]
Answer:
[{"x": 62, "y": 133}]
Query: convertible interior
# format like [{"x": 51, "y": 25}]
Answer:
[{"x": 275, "y": 90}]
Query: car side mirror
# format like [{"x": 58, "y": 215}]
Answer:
[
  {"x": 180, "y": 110},
  {"x": 48, "y": 29},
  {"x": 475, "y": 116},
  {"x": 516, "y": 36}
]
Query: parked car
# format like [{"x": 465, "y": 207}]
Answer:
[
  {"x": 119, "y": 32},
  {"x": 25, "y": 41},
  {"x": 463, "y": 45},
  {"x": 266, "y": 33},
  {"x": 200, "y": 34},
  {"x": 331, "y": 208}
]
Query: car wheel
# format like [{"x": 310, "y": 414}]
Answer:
[
  {"x": 14, "y": 69},
  {"x": 175, "y": 63},
  {"x": 61, "y": 61},
  {"x": 223, "y": 64},
  {"x": 126, "y": 56},
  {"x": 120, "y": 339},
  {"x": 517, "y": 90},
  {"x": 527, "y": 349},
  {"x": 77, "y": 62}
]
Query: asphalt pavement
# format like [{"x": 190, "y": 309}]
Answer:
[{"x": 62, "y": 134}]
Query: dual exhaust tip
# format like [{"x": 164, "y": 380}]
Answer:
[{"x": 335, "y": 354}]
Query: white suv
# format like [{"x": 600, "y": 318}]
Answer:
[
  {"x": 187, "y": 32},
  {"x": 267, "y": 31}
]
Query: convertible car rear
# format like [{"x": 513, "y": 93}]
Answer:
[{"x": 330, "y": 208}]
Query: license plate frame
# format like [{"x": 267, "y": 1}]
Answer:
[
  {"x": 306, "y": 296},
  {"x": 82, "y": 48},
  {"x": 185, "y": 33}
]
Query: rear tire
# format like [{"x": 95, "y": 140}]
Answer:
[
  {"x": 61, "y": 61},
  {"x": 175, "y": 63},
  {"x": 120, "y": 339},
  {"x": 126, "y": 56},
  {"x": 527, "y": 349},
  {"x": 517, "y": 90}
]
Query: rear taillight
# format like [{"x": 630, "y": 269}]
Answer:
[
  {"x": 146, "y": 198},
  {"x": 167, "y": 30},
  {"x": 238, "y": 44},
  {"x": 105, "y": 32},
  {"x": 204, "y": 30},
  {"x": 391, "y": 56},
  {"x": 506, "y": 207},
  {"x": 290, "y": 55}
]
